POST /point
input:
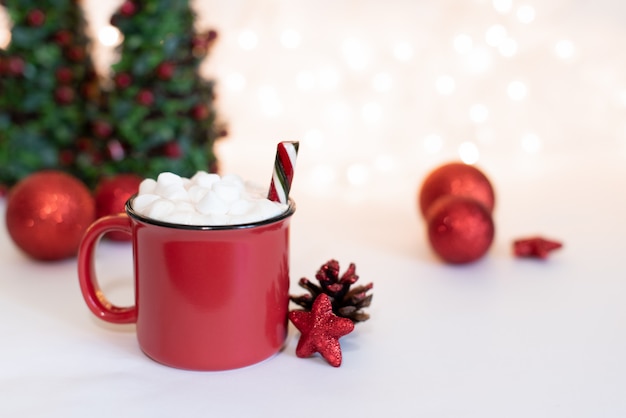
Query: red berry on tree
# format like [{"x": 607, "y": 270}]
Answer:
[
  {"x": 102, "y": 129},
  {"x": 64, "y": 95},
  {"x": 76, "y": 53},
  {"x": 128, "y": 8},
  {"x": 36, "y": 17},
  {"x": 145, "y": 97},
  {"x": 66, "y": 157},
  {"x": 15, "y": 66},
  {"x": 64, "y": 75},
  {"x": 201, "y": 42},
  {"x": 200, "y": 112},
  {"x": 211, "y": 35},
  {"x": 63, "y": 37},
  {"x": 84, "y": 144},
  {"x": 173, "y": 150},
  {"x": 165, "y": 70},
  {"x": 123, "y": 80}
]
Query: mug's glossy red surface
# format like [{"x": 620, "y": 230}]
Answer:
[{"x": 206, "y": 298}]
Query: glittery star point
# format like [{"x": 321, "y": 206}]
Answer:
[
  {"x": 535, "y": 247},
  {"x": 321, "y": 330}
]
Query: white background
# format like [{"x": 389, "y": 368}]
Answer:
[{"x": 363, "y": 92}]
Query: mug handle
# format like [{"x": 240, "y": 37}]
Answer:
[{"x": 95, "y": 299}]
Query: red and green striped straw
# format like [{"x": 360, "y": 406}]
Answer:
[{"x": 286, "y": 153}]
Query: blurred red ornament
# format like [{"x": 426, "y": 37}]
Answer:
[
  {"x": 456, "y": 179},
  {"x": 36, "y": 17},
  {"x": 123, "y": 80},
  {"x": 66, "y": 157},
  {"x": 76, "y": 53},
  {"x": 534, "y": 247},
  {"x": 128, "y": 8},
  {"x": 63, "y": 37},
  {"x": 15, "y": 66},
  {"x": 102, "y": 128},
  {"x": 64, "y": 75},
  {"x": 64, "y": 95},
  {"x": 173, "y": 150},
  {"x": 460, "y": 229},
  {"x": 200, "y": 112},
  {"x": 111, "y": 195},
  {"x": 47, "y": 214},
  {"x": 145, "y": 97},
  {"x": 165, "y": 70}
]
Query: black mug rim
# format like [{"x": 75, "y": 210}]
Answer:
[{"x": 291, "y": 208}]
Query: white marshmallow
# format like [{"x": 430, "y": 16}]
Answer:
[
  {"x": 227, "y": 192},
  {"x": 196, "y": 193},
  {"x": 166, "y": 178},
  {"x": 212, "y": 204},
  {"x": 204, "y": 179},
  {"x": 219, "y": 219},
  {"x": 239, "y": 207},
  {"x": 173, "y": 192},
  {"x": 204, "y": 199},
  {"x": 142, "y": 201},
  {"x": 181, "y": 217},
  {"x": 147, "y": 186},
  {"x": 233, "y": 180},
  {"x": 160, "y": 209},
  {"x": 269, "y": 209}
]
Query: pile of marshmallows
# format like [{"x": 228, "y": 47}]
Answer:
[{"x": 204, "y": 199}]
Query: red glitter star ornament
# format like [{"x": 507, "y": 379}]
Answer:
[
  {"x": 534, "y": 247},
  {"x": 321, "y": 330}
]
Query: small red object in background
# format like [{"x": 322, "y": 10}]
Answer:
[
  {"x": 534, "y": 247},
  {"x": 111, "y": 195},
  {"x": 460, "y": 229},
  {"x": 457, "y": 179},
  {"x": 321, "y": 330},
  {"x": 47, "y": 214}
]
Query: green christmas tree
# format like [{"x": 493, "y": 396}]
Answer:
[
  {"x": 159, "y": 112},
  {"x": 155, "y": 115},
  {"x": 48, "y": 88}
]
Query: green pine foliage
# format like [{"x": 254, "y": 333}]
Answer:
[
  {"x": 159, "y": 108},
  {"x": 155, "y": 113},
  {"x": 48, "y": 86}
]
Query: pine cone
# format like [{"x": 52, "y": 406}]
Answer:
[{"x": 346, "y": 302}]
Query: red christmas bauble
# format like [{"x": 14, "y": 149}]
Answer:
[
  {"x": 47, "y": 214},
  {"x": 111, "y": 195},
  {"x": 456, "y": 179},
  {"x": 460, "y": 229}
]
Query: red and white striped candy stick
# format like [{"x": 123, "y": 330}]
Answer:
[{"x": 286, "y": 153}]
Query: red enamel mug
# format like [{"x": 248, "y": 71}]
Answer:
[{"x": 206, "y": 297}]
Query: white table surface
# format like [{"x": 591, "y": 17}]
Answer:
[{"x": 503, "y": 337}]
